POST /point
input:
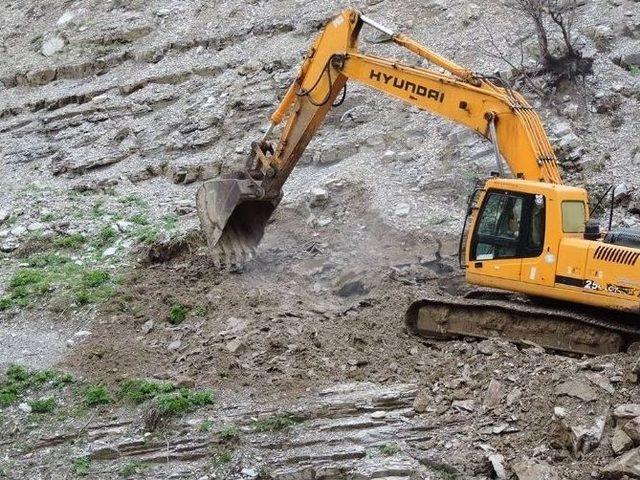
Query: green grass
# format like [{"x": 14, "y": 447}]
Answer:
[
  {"x": 634, "y": 70},
  {"x": 229, "y": 433},
  {"x": 137, "y": 390},
  {"x": 135, "y": 201},
  {"x": 443, "y": 473},
  {"x": 275, "y": 423},
  {"x": 18, "y": 381},
  {"x": 48, "y": 260},
  {"x": 170, "y": 221},
  {"x": 95, "y": 278},
  {"x": 75, "y": 240},
  {"x": 131, "y": 468},
  {"x": 5, "y": 303},
  {"x": 146, "y": 234},
  {"x": 182, "y": 401},
  {"x": 389, "y": 449},
  {"x": 81, "y": 466},
  {"x": 50, "y": 274},
  {"x": 17, "y": 373},
  {"x": 8, "y": 396},
  {"x": 205, "y": 426},
  {"x": 96, "y": 395},
  {"x": 220, "y": 459},
  {"x": 106, "y": 235},
  {"x": 97, "y": 210},
  {"x": 43, "y": 405},
  {"x": 139, "y": 219},
  {"x": 177, "y": 313}
]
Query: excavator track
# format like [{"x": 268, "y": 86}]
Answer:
[{"x": 593, "y": 332}]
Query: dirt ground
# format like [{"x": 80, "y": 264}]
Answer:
[{"x": 314, "y": 307}]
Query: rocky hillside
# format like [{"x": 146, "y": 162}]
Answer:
[{"x": 137, "y": 358}]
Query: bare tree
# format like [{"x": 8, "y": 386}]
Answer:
[{"x": 550, "y": 19}]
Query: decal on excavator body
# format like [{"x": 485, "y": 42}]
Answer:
[{"x": 400, "y": 84}]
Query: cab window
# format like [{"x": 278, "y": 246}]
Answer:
[
  {"x": 510, "y": 225},
  {"x": 574, "y": 217}
]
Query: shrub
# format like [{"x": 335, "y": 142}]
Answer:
[
  {"x": 96, "y": 395},
  {"x": 44, "y": 405},
  {"x": 229, "y": 433},
  {"x": 70, "y": 241},
  {"x": 81, "y": 466},
  {"x": 182, "y": 401},
  {"x": 138, "y": 390},
  {"x": 177, "y": 314},
  {"x": 275, "y": 423}
]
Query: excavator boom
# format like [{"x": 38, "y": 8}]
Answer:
[{"x": 234, "y": 210}]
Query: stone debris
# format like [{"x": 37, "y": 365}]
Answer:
[
  {"x": 402, "y": 210},
  {"x": 587, "y": 438},
  {"x": 497, "y": 463},
  {"x": 466, "y": 405},
  {"x": 620, "y": 441},
  {"x": 624, "y": 467},
  {"x": 533, "y": 469},
  {"x": 318, "y": 197},
  {"x": 110, "y": 105},
  {"x": 66, "y": 18},
  {"x": 601, "y": 381},
  {"x": 513, "y": 396},
  {"x": 351, "y": 284},
  {"x": 632, "y": 429},
  {"x": 494, "y": 394},
  {"x": 147, "y": 327},
  {"x": 577, "y": 389},
  {"x": 422, "y": 402},
  {"x": 235, "y": 346},
  {"x": 627, "y": 411}
]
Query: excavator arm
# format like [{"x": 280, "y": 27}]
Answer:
[{"x": 235, "y": 210}]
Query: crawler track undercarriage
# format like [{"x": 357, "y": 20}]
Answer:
[{"x": 483, "y": 314}]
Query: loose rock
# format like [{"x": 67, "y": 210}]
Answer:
[
  {"x": 632, "y": 428},
  {"x": 628, "y": 464},
  {"x": 577, "y": 389},
  {"x": 620, "y": 441},
  {"x": 52, "y": 45},
  {"x": 532, "y": 469}
]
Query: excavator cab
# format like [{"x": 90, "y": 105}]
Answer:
[{"x": 531, "y": 237}]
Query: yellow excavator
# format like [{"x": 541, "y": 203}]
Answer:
[{"x": 528, "y": 233}]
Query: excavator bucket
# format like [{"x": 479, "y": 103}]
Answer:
[{"x": 233, "y": 216}]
